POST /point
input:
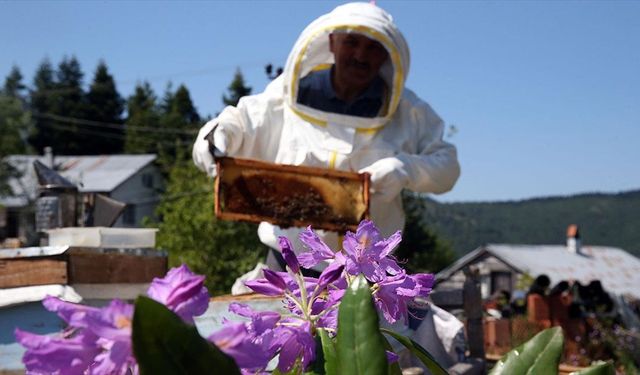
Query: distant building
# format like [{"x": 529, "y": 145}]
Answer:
[
  {"x": 132, "y": 179},
  {"x": 501, "y": 266}
]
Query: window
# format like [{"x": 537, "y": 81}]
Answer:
[
  {"x": 147, "y": 180},
  {"x": 129, "y": 215},
  {"x": 500, "y": 281}
]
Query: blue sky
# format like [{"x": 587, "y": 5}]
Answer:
[{"x": 545, "y": 95}]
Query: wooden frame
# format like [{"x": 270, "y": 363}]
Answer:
[{"x": 287, "y": 195}]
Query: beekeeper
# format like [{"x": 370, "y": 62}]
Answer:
[{"x": 341, "y": 103}]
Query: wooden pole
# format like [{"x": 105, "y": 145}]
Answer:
[{"x": 472, "y": 302}]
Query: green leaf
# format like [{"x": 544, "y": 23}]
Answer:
[
  {"x": 329, "y": 353},
  {"x": 423, "y": 355},
  {"x": 360, "y": 345},
  {"x": 317, "y": 366},
  {"x": 604, "y": 368},
  {"x": 164, "y": 344},
  {"x": 540, "y": 355}
]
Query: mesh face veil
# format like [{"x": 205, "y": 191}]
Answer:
[{"x": 311, "y": 52}]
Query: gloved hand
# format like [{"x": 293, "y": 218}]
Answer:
[
  {"x": 388, "y": 177},
  {"x": 204, "y": 150}
]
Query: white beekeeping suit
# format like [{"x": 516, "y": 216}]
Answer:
[{"x": 402, "y": 147}]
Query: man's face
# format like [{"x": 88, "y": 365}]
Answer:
[{"x": 357, "y": 58}]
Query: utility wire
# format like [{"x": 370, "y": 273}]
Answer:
[
  {"x": 173, "y": 197},
  {"x": 108, "y": 125},
  {"x": 72, "y": 129},
  {"x": 169, "y": 76}
]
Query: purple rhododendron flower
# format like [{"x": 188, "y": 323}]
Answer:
[
  {"x": 250, "y": 344},
  {"x": 182, "y": 291},
  {"x": 314, "y": 302},
  {"x": 112, "y": 322},
  {"x": 117, "y": 359},
  {"x": 295, "y": 341},
  {"x": 395, "y": 292},
  {"x": 250, "y": 351},
  {"x": 261, "y": 321},
  {"x": 425, "y": 283},
  {"x": 368, "y": 253},
  {"x": 57, "y": 354},
  {"x": 113, "y": 326},
  {"x": 97, "y": 339}
]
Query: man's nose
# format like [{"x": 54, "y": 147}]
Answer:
[{"x": 361, "y": 54}]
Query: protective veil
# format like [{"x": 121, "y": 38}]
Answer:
[{"x": 402, "y": 147}]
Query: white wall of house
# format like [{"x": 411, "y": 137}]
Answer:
[
  {"x": 141, "y": 194},
  {"x": 491, "y": 270}
]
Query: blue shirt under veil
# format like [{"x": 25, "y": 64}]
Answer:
[{"x": 316, "y": 91}]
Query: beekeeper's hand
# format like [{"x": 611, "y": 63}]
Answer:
[
  {"x": 388, "y": 178},
  {"x": 204, "y": 151}
]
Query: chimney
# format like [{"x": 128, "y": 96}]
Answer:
[
  {"x": 57, "y": 197},
  {"x": 48, "y": 157},
  {"x": 573, "y": 239}
]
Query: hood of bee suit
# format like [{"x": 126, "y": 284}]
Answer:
[{"x": 311, "y": 52}]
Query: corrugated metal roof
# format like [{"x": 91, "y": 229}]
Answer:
[
  {"x": 617, "y": 270},
  {"x": 92, "y": 174}
]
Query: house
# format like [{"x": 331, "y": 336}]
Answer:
[
  {"x": 502, "y": 266},
  {"x": 131, "y": 179}
]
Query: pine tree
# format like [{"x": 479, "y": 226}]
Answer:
[
  {"x": 41, "y": 100},
  {"x": 179, "y": 121},
  {"x": 13, "y": 86},
  {"x": 143, "y": 114},
  {"x": 104, "y": 104},
  {"x": 183, "y": 105},
  {"x": 236, "y": 89},
  {"x": 15, "y": 123},
  {"x": 167, "y": 99},
  {"x": 420, "y": 248},
  {"x": 221, "y": 250},
  {"x": 15, "y": 120},
  {"x": 71, "y": 138}
]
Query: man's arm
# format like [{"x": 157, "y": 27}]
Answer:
[
  {"x": 218, "y": 137},
  {"x": 250, "y": 130},
  {"x": 434, "y": 166},
  {"x": 429, "y": 164}
]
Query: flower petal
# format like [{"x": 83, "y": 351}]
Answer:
[
  {"x": 182, "y": 291},
  {"x": 318, "y": 250},
  {"x": 72, "y": 313},
  {"x": 386, "y": 246},
  {"x": 330, "y": 274},
  {"x": 264, "y": 287},
  {"x": 288, "y": 254},
  {"x": 274, "y": 279}
]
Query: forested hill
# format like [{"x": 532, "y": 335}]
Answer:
[{"x": 603, "y": 219}]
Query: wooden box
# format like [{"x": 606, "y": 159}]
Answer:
[{"x": 72, "y": 265}]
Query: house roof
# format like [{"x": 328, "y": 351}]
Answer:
[
  {"x": 92, "y": 174},
  {"x": 617, "y": 270}
]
